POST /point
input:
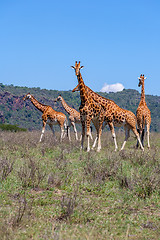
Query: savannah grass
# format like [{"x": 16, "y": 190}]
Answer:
[{"x": 52, "y": 190}]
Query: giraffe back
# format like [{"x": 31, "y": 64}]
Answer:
[{"x": 54, "y": 117}]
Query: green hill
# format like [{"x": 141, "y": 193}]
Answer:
[{"x": 13, "y": 110}]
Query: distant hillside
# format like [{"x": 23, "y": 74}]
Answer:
[{"x": 13, "y": 110}]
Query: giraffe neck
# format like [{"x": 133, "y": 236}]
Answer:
[
  {"x": 142, "y": 93},
  {"x": 83, "y": 93},
  {"x": 66, "y": 107},
  {"x": 37, "y": 104}
]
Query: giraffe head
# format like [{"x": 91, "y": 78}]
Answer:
[
  {"x": 59, "y": 98},
  {"x": 27, "y": 96},
  {"x": 76, "y": 89},
  {"x": 77, "y": 68},
  {"x": 141, "y": 80}
]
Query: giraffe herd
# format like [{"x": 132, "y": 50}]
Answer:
[{"x": 101, "y": 111}]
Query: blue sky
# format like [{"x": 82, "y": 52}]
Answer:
[{"x": 115, "y": 41}]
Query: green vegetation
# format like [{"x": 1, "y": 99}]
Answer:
[
  {"x": 12, "y": 128},
  {"x": 14, "y": 111},
  {"x": 54, "y": 191}
]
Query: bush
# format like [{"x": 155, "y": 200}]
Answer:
[
  {"x": 12, "y": 128},
  {"x": 6, "y": 167}
]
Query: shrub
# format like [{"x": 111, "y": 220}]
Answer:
[
  {"x": 31, "y": 175},
  {"x": 12, "y": 128},
  {"x": 6, "y": 167}
]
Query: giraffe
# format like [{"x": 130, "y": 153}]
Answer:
[
  {"x": 74, "y": 116},
  {"x": 89, "y": 110},
  {"x": 143, "y": 113},
  {"x": 97, "y": 98},
  {"x": 115, "y": 116},
  {"x": 50, "y": 116}
]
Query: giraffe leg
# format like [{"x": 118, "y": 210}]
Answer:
[
  {"x": 43, "y": 129},
  {"x": 99, "y": 144},
  {"x": 113, "y": 135},
  {"x": 65, "y": 128},
  {"x": 99, "y": 136},
  {"x": 68, "y": 130},
  {"x": 148, "y": 136},
  {"x": 83, "y": 134},
  {"x": 90, "y": 137},
  {"x": 68, "y": 133},
  {"x": 75, "y": 130},
  {"x": 126, "y": 137},
  {"x": 91, "y": 133},
  {"x": 80, "y": 138},
  {"x": 96, "y": 127},
  {"x": 142, "y": 137},
  {"x": 62, "y": 134},
  {"x": 88, "y": 134},
  {"x": 88, "y": 145},
  {"x": 95, "y": 141},
  {"x": 138, "y": 137}
]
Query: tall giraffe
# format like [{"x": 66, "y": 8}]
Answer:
[
  {"x": 115, "y": 116},
  {"x": 50, "y": 116},
  {"x": 74, "y": 116},
  {"x": 143, "y": 113},
  {"x": 89, "y": 110}
]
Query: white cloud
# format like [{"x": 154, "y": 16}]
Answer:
[{"x": 117, "y": 87}]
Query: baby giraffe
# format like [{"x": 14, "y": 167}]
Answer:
[
  {"x": 143, "y": 113},
  {"x": 74, "y": 116},
  {"x": 50, "y": 116}
]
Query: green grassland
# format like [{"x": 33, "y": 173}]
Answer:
[{"x": 52, "y": 190}]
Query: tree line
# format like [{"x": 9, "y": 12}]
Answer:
[{"x": 14, "y": 111}]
